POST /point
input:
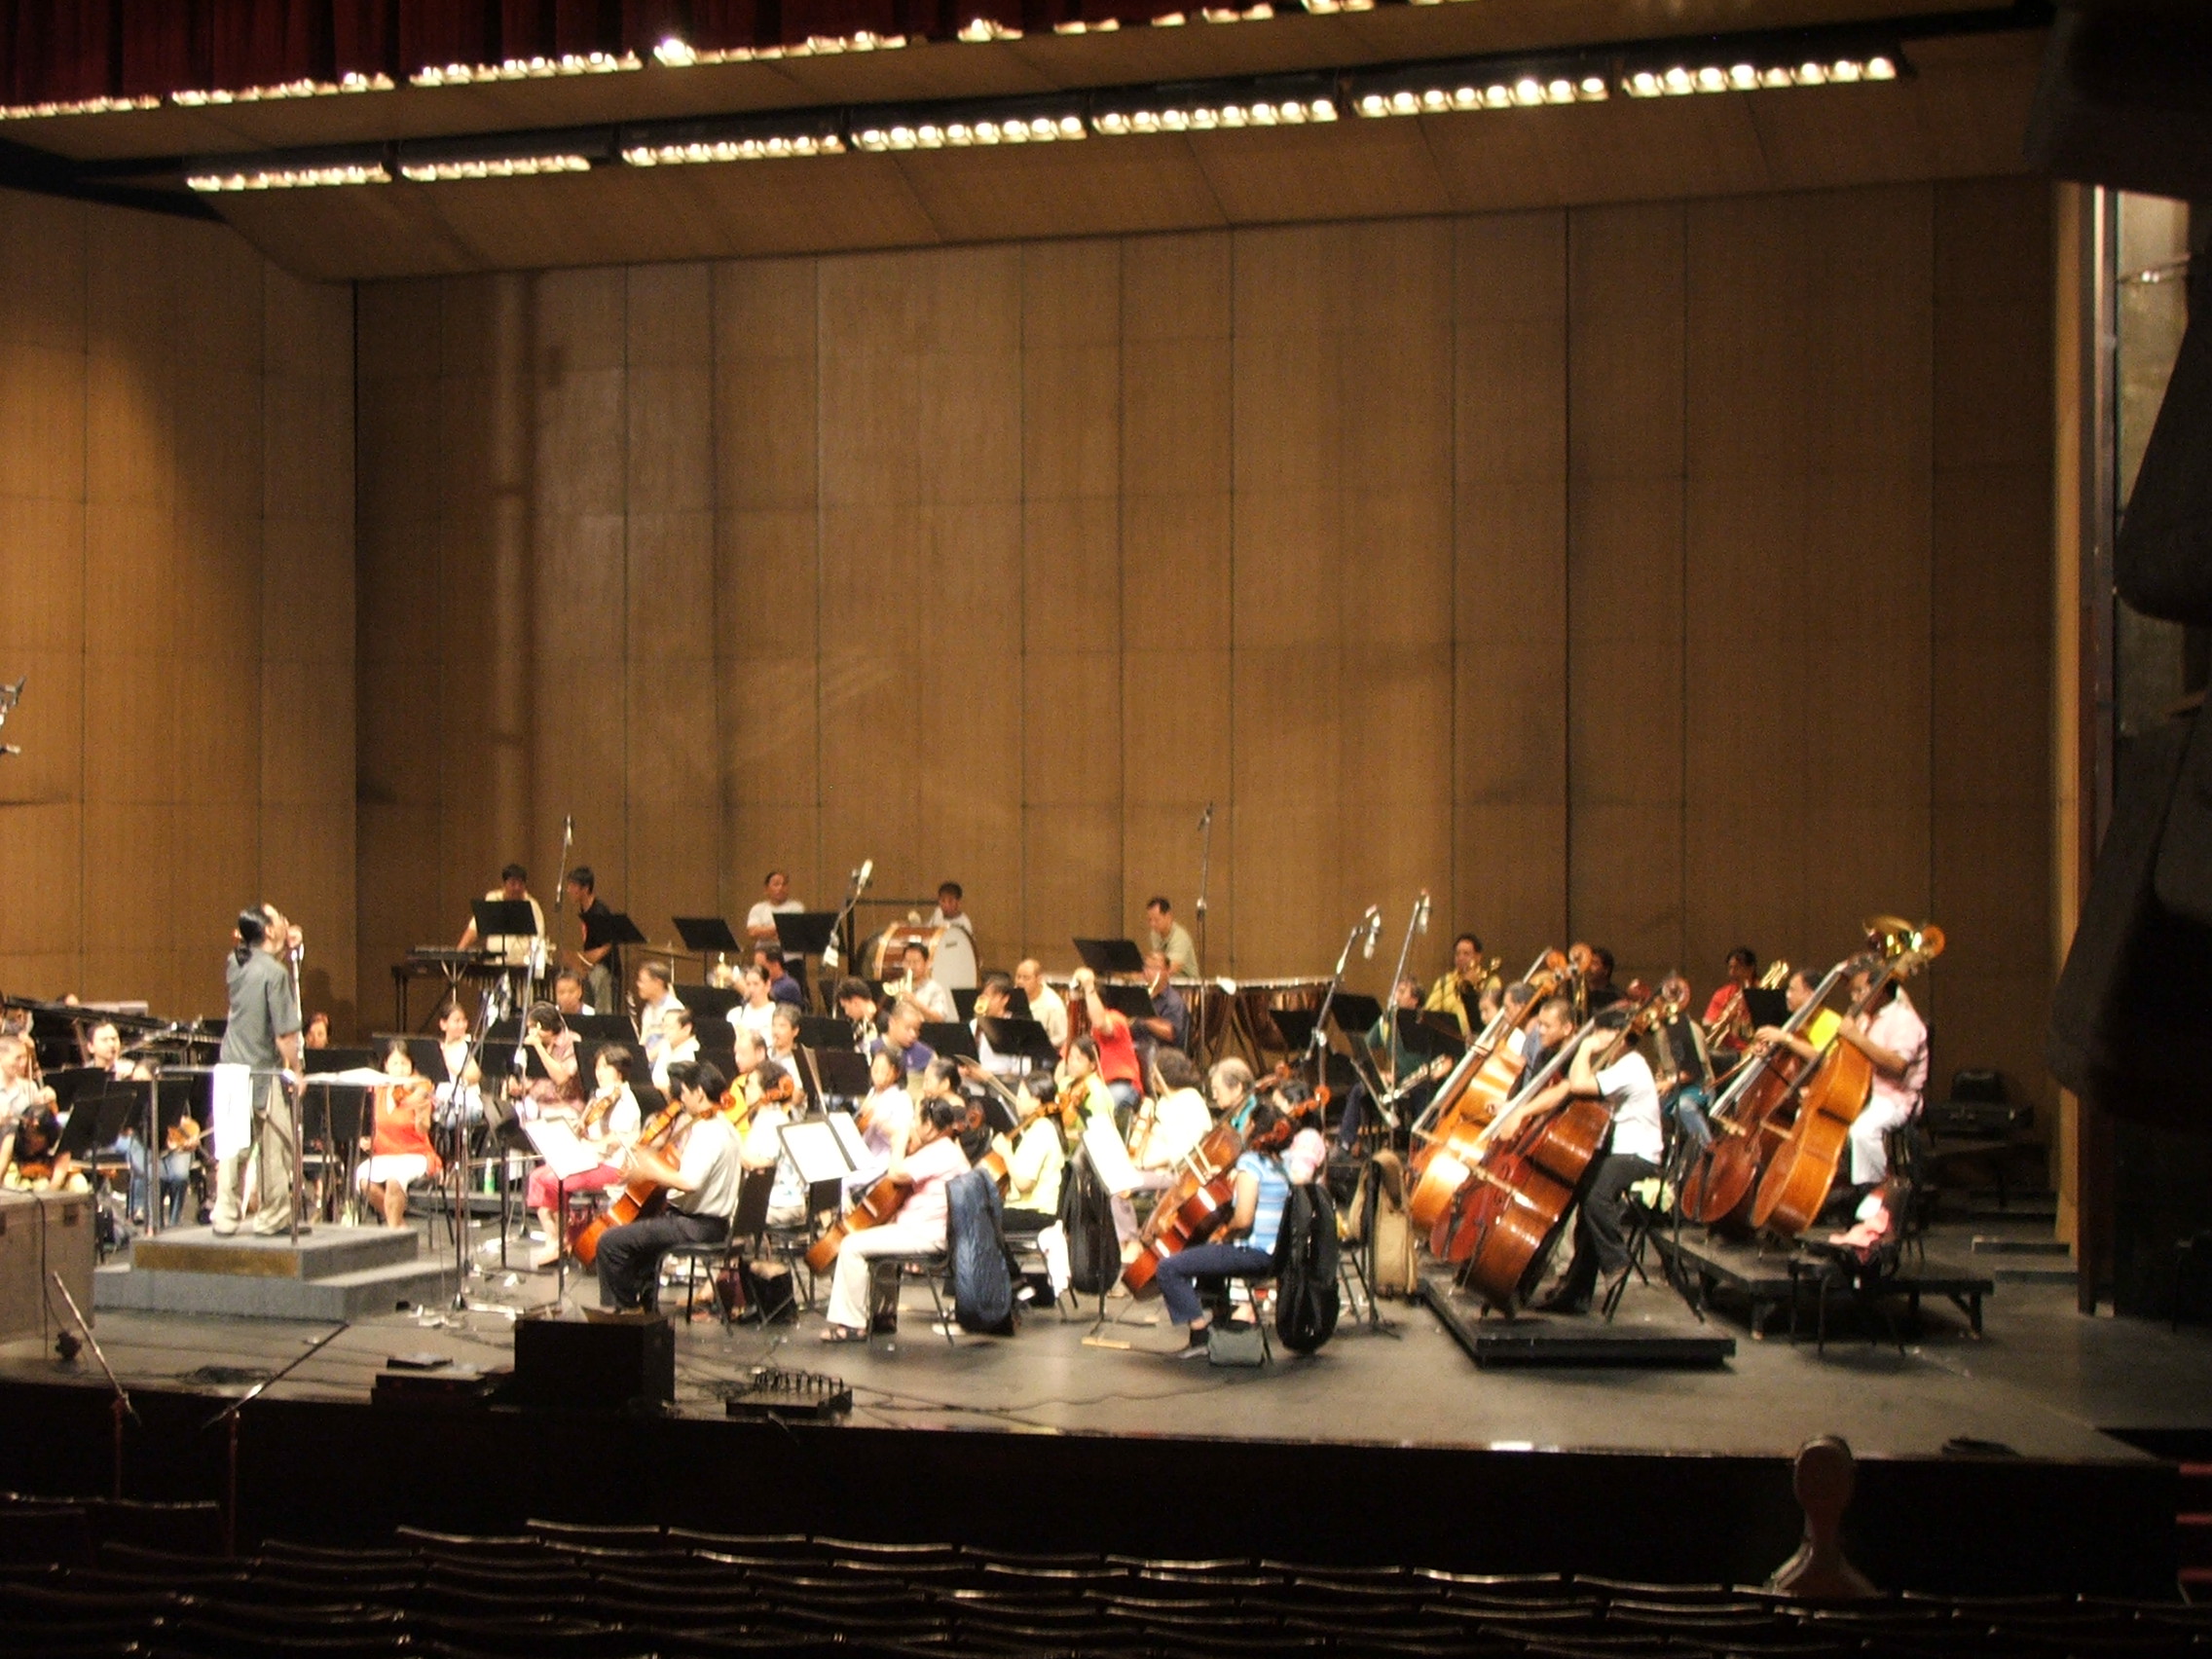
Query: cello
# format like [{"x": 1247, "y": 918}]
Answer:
[
  {"x": 1192, "y": 1206},
  {"x": 1718, "y": 1192},
  {"x": 1531, "y": 1171},
  {"x": 1835, "y": 1090},
  {"x": 641, "y": 1195},
  {"x": 1468, "y": 1100}
]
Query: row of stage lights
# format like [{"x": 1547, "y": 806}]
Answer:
[{"x": 1303, "y": 101}]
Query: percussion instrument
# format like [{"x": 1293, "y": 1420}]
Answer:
[{"x": 879, "y": 957}]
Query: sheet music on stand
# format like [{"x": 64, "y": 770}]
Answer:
[
  {"x": 565, "y": 1154},
  {"x": 816, "y": 1150},
  {"x": 1108, "y": 1158}
]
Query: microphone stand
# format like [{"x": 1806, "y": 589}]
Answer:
[
  {"x": 1320, "y": 1042},
  {"x": 1205, "y": 870},
  {"x": 833, "y": 960},
  {"x": 1417, "y": 922},
  {"x": 121, "y": 1405}
]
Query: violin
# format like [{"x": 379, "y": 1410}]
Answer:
[
  {"x": 992, "y": 1160},
  {"x": 737, "y": 1111},
  {"x": 641, "y": 1195}
]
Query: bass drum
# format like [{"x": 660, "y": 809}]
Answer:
[{"x": 879, "y": 954}]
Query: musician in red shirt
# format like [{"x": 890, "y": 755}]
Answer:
[{"x": 1118, "y": 1064}]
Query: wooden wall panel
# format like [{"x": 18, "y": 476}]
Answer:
[
  {"x": 1609, "y": 570},
  {"x": 1624, "y": 624},
  {"x": 1509, "y": 614},
  {"x": 141, "y": 537}
]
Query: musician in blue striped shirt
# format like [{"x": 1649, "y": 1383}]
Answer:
[{"x": 1243, "y": 1246}]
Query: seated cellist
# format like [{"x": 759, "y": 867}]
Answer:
[
  {"x": 932, "y": 1159},
  {"x": 1243, "y": 1245},
  {"x": 700, "y": 1169}
]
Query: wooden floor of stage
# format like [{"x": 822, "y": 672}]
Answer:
[{"x": 2044, "y": 1379}]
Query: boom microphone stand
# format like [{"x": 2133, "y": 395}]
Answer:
[
  {"x": 1364, "y": 933},
  {"x": 831, "y": 959},
  {"x": 1205, "y": 870}
]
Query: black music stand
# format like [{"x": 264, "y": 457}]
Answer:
[
  {"x": 826, "y": 1033},
  {"x": 803, "y": 934},
  {"x": 503, "y": 918},
  {"x": 1765, "y": 1007},
  {"x": 1416, "y": 1035},
  {"x": 706, "y": 936},
  {"x": 1110, "y": 956},
  {"x": 1133, "y": 1002},
  {"x": 709, "y": 1003},
  {"x": 844, "y": 1073},
  {"x": 945, "y": 1038},
  {"x": 1355, "y": 1014},
  {"x": 964, "y": 1002},
  {"x": 1021, "y": 1038}
]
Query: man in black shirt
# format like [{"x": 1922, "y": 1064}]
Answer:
[{"x": 600, "y": 958}]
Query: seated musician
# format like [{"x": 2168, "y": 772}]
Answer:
[
  {"x": 1818, "y": 1029},
  {"x": 1726, "y": 1001},
  {"x": 1169, "y": 937},
  {"x": 20, "y": 1091},
  {"x": 1306, "y": 1151},
  {"x": 1046, "y": 1006},
  {"x": 1595, "y": 988},
  {"x": 782, "y": 1044},
  {"x": 759, "y": 1146},
  {"x": 1036, "y": 1158},
  {"x": 1082, "y": 1089},
  {"x": 940, "y": 1081},
  {"x": 1169, "y": 1026},
  {"x": 1231, "y": 1084},
  {"x": 1685, "y": 1071},
  {"x": 568, "y": 994},
  {"x": 1117, "y": 1043},
  {"x": 1166, "y": 1130},
  {"x": 932, "y": 1160},
  {"x": 514, "y": 950},
  {"x": 858, "y": 1004},
  {"x": 315, "y": 1034},
  {"x": 181, "y": 1150},
  {"x": 681, "y": 1044},
  {"x": 993, "y": 997},
  {"x": 886, "y": 1118},
  {"x": 1457, "y": 990},
  {"x": 611, "y": 1117},
  {"x": 656, "y": 1000},
  {"x": 757, "y": 1074},
  {"x": 104, "y": 1047},
  {"x": 699, "y": 1168},
  {"x": 903, "y": 1032},
  {"x": 1632, "y": 1155},
  {"x": 30, "y": 1156},
  {"x": 935, "y": 1000},
  {"x": 460, "y": 1097},
  {"x": 782, "y": 988},
  {"x": 1893, "y": 1038},
  {"x": 1244, "y": 1245},
  {"x": 756, "y": 1008},
  {"x": 398, "y": 1141},
  {"x": 548, "y": 1037},
  {"x": 1554, "y": 1026}
]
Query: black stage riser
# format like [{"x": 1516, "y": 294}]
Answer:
[{"x": 345, "y": 1473}]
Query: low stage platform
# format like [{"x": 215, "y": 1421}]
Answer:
[
  {"x": 1766, "y": 1280},
  {"x": 1066, "y": 1436}
]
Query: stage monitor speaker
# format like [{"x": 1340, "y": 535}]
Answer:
[
  {"x": 42, "y": 1232},
  {"x": 603, "y": 1364}
]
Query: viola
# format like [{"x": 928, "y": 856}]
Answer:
[
  {"x": 994, "y": 1163},
  {"x": 736, "y": 1111},
  {"x": 1835, "y": 1092},
  {"x": 641, "y": 1195}
]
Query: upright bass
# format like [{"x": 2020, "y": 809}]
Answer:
[
  {"x": 1803, "y": 1168},
  {"x": 1532, "y": 1170}
]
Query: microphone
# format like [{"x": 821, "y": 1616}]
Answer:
[
  {"x": 1374, "y": 931},
  {"x": 863, "y": 875},
  {"x": 1206, "y": 817},
  {"x": 1420, "y": 914}
]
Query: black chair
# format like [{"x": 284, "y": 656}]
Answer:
[{"x": 749, "y": 1223}]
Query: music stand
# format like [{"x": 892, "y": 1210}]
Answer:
[
  {"x": 944, "y": 1038},
  {"x": 709, "y": 1003},
  {"x": 1110, "y": 956},
  {"x": 1355, "y": 1014},
  {"x": 826, "y": 1033},
  {"x": 1765, "y": 1007},
  {"x": 1416, "y": 1035},
  {"x": 503, "y": 918},
  {"x": 964, "y": 1002},
  {"x": 1021, "y": 1039},
  {"x": 1132, "y": 1002},
  {"x": 703, "y": 936},
  {"x": 844, "y": 1073},
  {"x": 805, "y": 933},
  {"x": 1296, "y": 1026}
]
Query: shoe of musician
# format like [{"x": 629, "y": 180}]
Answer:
[
  {"x": 1558, "y": 1302},
  {"x": 1197, "y": 1347},
  {"x": 549, "y": 1257}
]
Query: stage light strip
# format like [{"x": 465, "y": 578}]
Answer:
[
  {"x": 527, "y": 69},
  {"x": 981, "y": 127},
  {"x": 289, "y": 178},
  {"x": 1682, "y": 79},
  {"x": 1289, "y": 102},
  {"x": 1417, "y": 94},
  {"x": 427, "y": 171},
  {"x": 75, "y": 106},
  {"x": 341, "y": 88}
]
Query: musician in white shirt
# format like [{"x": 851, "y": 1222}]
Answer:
[
  {"x": 656, "y": 1000},
  {"x": 1631, "y": 1095},
  {"x": 760, "y": 920},
  {"x": 758, "y": 1011},
  {"x": 935, "y": 1001},
  {"x": 955, "y": 968},
  {"x": 513, "y": 950},
  {"x": 1045, "y": 1004},
  {"x": 682, "y": 1043}
]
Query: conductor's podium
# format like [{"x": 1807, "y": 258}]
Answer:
[{"x": 328, "y": 1274}]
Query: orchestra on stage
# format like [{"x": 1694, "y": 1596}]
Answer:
[{"x": 827, "y": 1112}]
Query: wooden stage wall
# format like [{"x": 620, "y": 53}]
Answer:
[
  {"x": 1671, "y": 576},
  {"x": 176, "y": 537}
]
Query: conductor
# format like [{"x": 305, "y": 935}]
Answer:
[{"x": 263, "y": 1033}]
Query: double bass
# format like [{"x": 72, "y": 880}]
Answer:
[
  {"x": 1747, "y": 1123},
  {"x": 1531, "y": 1171},
  {"x": 641, "y": 1195},
  {"x": 1835, "y": 1090},
  {"x": 1468, "y": 1102}
]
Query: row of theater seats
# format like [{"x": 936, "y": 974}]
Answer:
[{"x": 565, "y": 1591}]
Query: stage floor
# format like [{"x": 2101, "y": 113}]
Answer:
[{"x": 2042, "y": 1380}]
